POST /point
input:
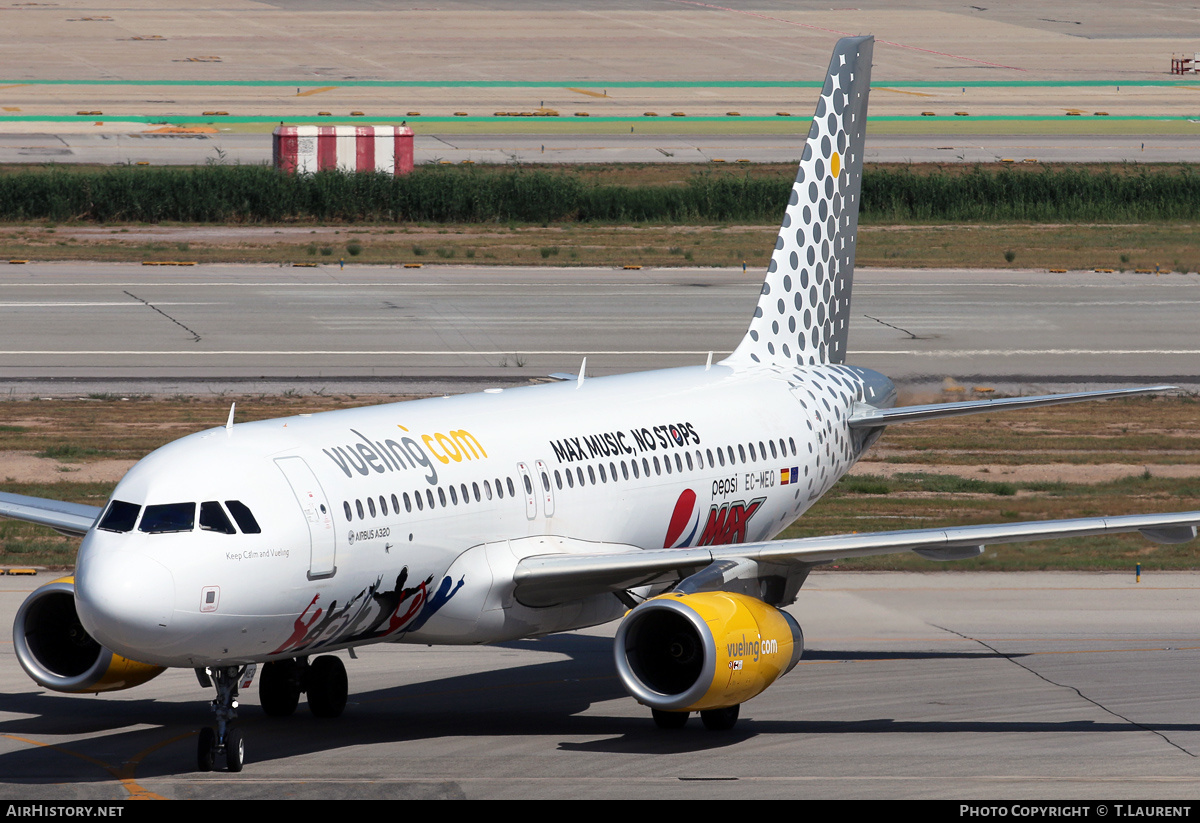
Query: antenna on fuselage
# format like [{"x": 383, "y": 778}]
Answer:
[
  {"x": 229, "y": 422},
  {"x": 582, "y": 373},
  {"x": 708, "y": 365}
]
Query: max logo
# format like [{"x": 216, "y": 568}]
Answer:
[{"x": 726, "y": 523}]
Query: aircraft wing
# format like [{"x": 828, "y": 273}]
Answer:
[
  {"x": 546, "y": 579},
  {"x": 71, "y": 519}
]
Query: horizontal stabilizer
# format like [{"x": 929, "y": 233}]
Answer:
[
  {"x": 866, "y": 417},
  {"x": 73, "y": 519}
]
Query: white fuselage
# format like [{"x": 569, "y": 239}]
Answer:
[{"x": 346, "y": 555}]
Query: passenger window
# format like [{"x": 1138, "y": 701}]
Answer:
[
  {"x": 383, "y": 505},
  {"x": 592, "y": 474},
  {"x": 408, "y": 502},
  {"x": 420, "y": 503},
  {"x": 243, "y": 517},
  {"x": 741, "y": 452},
  {"x": 487, "y": 489},
  {"x": 442, "y": 496},
  {"x": 214, "y": 519},
  {"x": 395, "y": 504},
  {"x": 346, "y": 506},
  {"x": 499, "y": 489},
  {"x": 358, "y": 507},
  {"x": 475, "y": 489},
  {"x": 453, "y": 496},
  {"x": 512, "y": 490},
  {"x": 429, "y": 497},
  {"x": 120, "y": 516},
  {"x": 462, "y": 487},
  {"x": 371, "y": 505},
  {"x": 168, "y": 517}
]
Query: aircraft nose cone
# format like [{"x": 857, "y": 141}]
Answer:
[{"x": 125, "y": 601}]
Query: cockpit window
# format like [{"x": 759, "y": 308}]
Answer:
[
  {"x": 243, "y": 516},
  {"x": 214, "y": 519},
  {"x": 168, "y": 517},
  {"x": 120, "y": 516}
]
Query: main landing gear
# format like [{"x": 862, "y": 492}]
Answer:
[
  {"x": 715, "y": 720},
  {"x": 223, "y": 740},
  {"x": 323, "y": 680}
]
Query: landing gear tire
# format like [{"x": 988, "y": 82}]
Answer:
[
  {"x": 327, "y": 686},
  {"x": 235, "y": 750},
  {"x": 669, "y": 720},
  {"x": 279, "y": 688},
  {"x": 206, "y": 749},
  {"x": 720, "y": 720}
]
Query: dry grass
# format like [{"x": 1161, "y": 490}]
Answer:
[{"x": 1170, "y": 246}]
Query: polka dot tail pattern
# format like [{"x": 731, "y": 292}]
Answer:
[{"x": 803, "y": 313}]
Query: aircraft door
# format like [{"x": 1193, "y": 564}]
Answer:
[
  {"x": 543, "y": 479},
  {"x": 311, "y": 497},
  {"x": 530, "y": 491}
]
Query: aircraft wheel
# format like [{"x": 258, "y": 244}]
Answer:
[
  {"x": 206, "y": 749},
  {"x": 235, "y": 750},
  {"x": 327, "y": 686},
  {"x": 669, "y": 720},
  {"x": 720, "y": 720},
  {"x": 279, "y": 688}
]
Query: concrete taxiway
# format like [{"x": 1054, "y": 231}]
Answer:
[
  {"x": 131, "y": 147},
  {"x": 76, "y": 327},
  {"x": 945, "y": 685}
]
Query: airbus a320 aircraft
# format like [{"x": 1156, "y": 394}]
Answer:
[{"x": 520, "y": 512}]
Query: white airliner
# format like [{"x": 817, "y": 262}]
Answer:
[{"x": 520, "y": 512}]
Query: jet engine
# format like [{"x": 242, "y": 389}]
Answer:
[
  {"x": 702, "y": 651},
  {"x": 53, "y": 648}
]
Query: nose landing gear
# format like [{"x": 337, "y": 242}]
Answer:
[{"x": 223, "y": 740}]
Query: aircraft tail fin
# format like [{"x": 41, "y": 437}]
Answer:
[{"x": 803, "y": 313}]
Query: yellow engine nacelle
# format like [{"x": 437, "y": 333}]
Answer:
[
  {"x": 710, "y": 650},
  {"x": 53, "y": 648}
]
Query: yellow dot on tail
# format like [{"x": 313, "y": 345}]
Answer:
[{"x": 835, "y": 165}]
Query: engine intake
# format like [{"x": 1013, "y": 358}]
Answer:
[
  {"x": 709, "y": 650},
  {"x": 54, "y": 649}
]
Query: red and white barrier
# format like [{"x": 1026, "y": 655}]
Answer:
[{"x": 307, "y": 149}]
